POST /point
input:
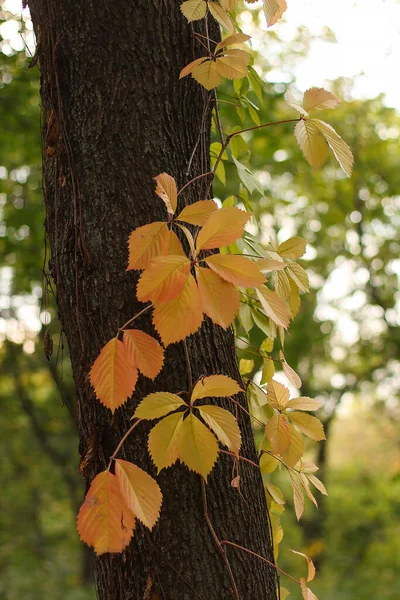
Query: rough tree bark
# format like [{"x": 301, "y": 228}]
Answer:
[{"x": 114, "y": 116}]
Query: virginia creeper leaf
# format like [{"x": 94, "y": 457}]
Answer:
[
  {"x": 294, "y": 247},
  {"x": 273, "y": 10},
  {"x": 215, "y": 386},
  {"x": 158, "y": 404},
  {"x": 298, "y": 496},
  {"x": 312, "y": 143},
  {"x": 278, "y": 433},
  {"x": 146, "y": 352},
  {"x": 274, "y": 306},
  {"x": 278, "y": 395},
  {"x": 309, "y": 425},
  {"x": 224, "y": 425},
  {"x": 221, "y": 16},
  {"x": 147, "y": 242},
  {"x": 194, "y": 9},
  {"x": 140, "y": 491},
  {"x": 174, "y": 245},
  {"x": 295, "y": 450},
  {"x": 319, "y": 99},
  {"x": 303, "y": 403},
  {"x": 197, "y": 446},
  {"x": 164, "y": 279},
  {"x": 163, "y": 441},
  {"x": 197, "y": 213},
  {"x": 166, "y": 190},
  {"x": 220, "y": 300},
  {"x": 238, "y": 270},
  {"x": 104, "y": 520},
  {"x": 222, "y": 228},
  {"x": 306, "y": 592}
]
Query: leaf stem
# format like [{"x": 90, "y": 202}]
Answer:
[
  {"x": 246, "y": 411},
  {"x": 135, "y": 317},
  {"x": 194, "y": 179},
  {"x": 122, "y": 440}
]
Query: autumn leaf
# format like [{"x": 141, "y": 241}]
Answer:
[
  {"x": 104, "y": 520},
  {"x": 197, "y": 446},
  {"x": 220, "y": 300},
  {"x": 238, "y": 270},
  {"x": 319, "y": 99},
  {"x": 194, "y": 9},
  {"x": 268, "y": 463},
  {"x": 306, "y": 592},
  {"x": 224, "y": 425},
  {"x": 113, "y": 375},
  {"x": 146, "y": 243},
  {"x": 174, "y": 245},
  {"x": 317, "y": 483},
  {"x": 158, "y": 404},
  {"x": 339, "y": 147},
  {"x": 180, "y": 317},
  {"x": 215, "y": 386},
  {"x": 274, "y": 307},
  {"x": 291, "y": 374},
  {"x": 278, "y": 433},
  {"x": 298, "y": 496},
  {"x": 291, "y": 101},
  {"x": 312, "y": 143},
  {"x": 166, "y": 190},
  {"x": 146, "y": 353},
  {"x": 294, "y": 247},
  {"x": 163, "y": 441},
  {"x": 198, "y": 212},
  {"x": 295, "y": 450},
  {"x": 220, "y": 15},
  {"x": 236, "y": 38},
  {"x": 277, "y": 395},
  {"x": 273, "y": 10},
  {"x": 164, "y": 279},
  {"x": 275, "y": 494},
  {"x": 303, "y": 403},
  {"x": 140, "y": 491},
  {"x": 299, "y": 276},
  {"x": 309, "y": 425},
  {"x": 268, "y": 264},
  {"x": 223, "y": 227}
]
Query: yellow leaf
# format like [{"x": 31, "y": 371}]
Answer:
[
  {"x": 267, "y": 264},
  {"x": 164, "y": 279},
  {"x": 268, "y": 463},
  {"x": 163, "y": 441},
  {"x": 224, "y": 425},
  {"x": 275, "y": 494},
  {"x": 215, "y": 386},
  {"x": 319, "y": 99},
  {"x": 298, "y": 496},
  {"x": 284, "y": 593},
  {"x": 145, "y": 243},
  {"x": 146, "y": 352},
  {"x": 291, "y": 100},
  {"x": 306, "y": 487},
  {"x": 207, "y": 75},
  {"x": 317, "y": 483},
  {"x": 274, "y": 307},
  {"x": 158, "y": 404},
  {"x": 174, "y": 245},
  {"x": 278, "y": 433},
  {"x": 236, "y": 38},
  {"x": 180, "y": 317},
  {"x": 309, "y": 425},
  {"x": 299, "y": 276},
  {"x": 191, "y": 66},
  {"x": 282, "y": 285},
  {"x": 294, "y": 247},
  {"x": 295, "y": 450},
  {"x": 306, "y": 592},
  {"x": 268, "y": 370},
  {"x": 104, "y": 520},
  {"x": 273, "y": 10},
  {"x": 232, "y": 66},
  {"x": 194, "y": 10},
  {"x": 246, "y": 366},
  {"x": 222, "y": 228},
  {"x": 277, "y": 395},
  {"x": 141, "y": 492},
  {"x": 236, "y": 269},
  {"x": 228, "y": 4},
  {"x": 339, "y": 148},
  {"x": 220, "y": 300},
  {"x": 310, "y": 565},
  {"x": 304, "y": 403},
  {"x": 188, "y": 237},
  {"x": 291, "y": 374},
  {"x": 221, "y": 15},
  {"x": 113, "y": 375},
  {"x": 312, "y": 143},
  {"x": 197, "y": 213},
  {"x": 197, "y": 446},
  {"x": 166, "y": 190}
]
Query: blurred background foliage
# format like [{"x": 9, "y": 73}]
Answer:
[{"x": 345, "y": 342}]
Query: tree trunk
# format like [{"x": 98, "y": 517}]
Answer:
[{"x": 114, "y": 116}]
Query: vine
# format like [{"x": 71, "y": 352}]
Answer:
[{"x": 222, "y": 272}]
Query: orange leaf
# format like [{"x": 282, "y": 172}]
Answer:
[
  {"x": 141, "y": 492},
  {"x": 113, "y": 375},
  {"x": 277, "y": 395},
  {"x": 104, "y": 520},
  {"x": 215, "y": 386},
  {"x": 236, "y": 269},
  {"x": 197, "y": 213},
  {"x": 273, "y": 10},
  {"x": 236, "y": 38},
  {"x": 191, "y": 66},
  {"x": 175, "y": 246},
  {"x": 166, "y": 190},
  {"x": 180, "y": 317},
  {"x": 145, "y": 243},
  {"x": 222, "y": 228},
  {"x": 275, "y": 308},
  {"x": 164, "y": 279},
  {"x": 146, "y": 352},
  {"x": 220, "y": 300}
]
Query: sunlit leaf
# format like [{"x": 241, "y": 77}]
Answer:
[
  {"x": 194, "y": 9},
  {"x": 163, "y": 441},
  {"x": 238, "y": 270},
  {"x": 312, "y": 143},
  {"x": 140, "y": 491},
  {"x": 224, "y": 425},
  {"x": 298, "y": 496},
  {"x": 319, "y": 99},
  {"x": 222, "y": 228},
  {"x": 291, "y": 374},
  {"x": 277, "y": 395},
  {"x": 299, "y": 276},
  {"x": 197, "y": 213},
  {"x": 295, "y": 450},
  {"x": 268, "y": 370},
  {"x": 273, "y": 10},
  {"x": 274, "y": 306},
  {"x": 317, "y": 483},
  {"x": 104, "y": 520},
  {"x": 338, "y": 146},
  {"x": 166, "y": 190},
  {"x": 278, "y": 433},
  {"x": 267, "y": 264},
  {"x": 233, "y": 65},
  {"x": 215, "y": 386},
  {"x": 113, "y": 375},
  {"x": 236, "y": 38},
  {"x": 146, "y": 243},
  {"x": 197, "y": 446},
  {"x": 180, "y": 317},
  {"x": 310, "y": 565},
  {"x": 293, "y": 248},
  {"x": 303, "y": 403},
  {"x": 309, "y": 425},
  {"x": 164, "y": 279},
  {"x": 146, "y": 352},
  {"x": 291, "y": 100},
  {"x": 306, "y": 592},
  {"x": 220, "y": 300},
  {"x": 206, "y": 74},
  {"x": 220, "y": 15},
  {"x": 158, "y": 404}
]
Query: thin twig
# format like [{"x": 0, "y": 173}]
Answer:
[
  {"x": 231, "y": 135},
  {"x": 135, "y": 317},
  {"x": 217, "y": 542},
  {"x": 122, "y": 440},
  {"x": 188, "y": 366},
  {"x": 237, "y": 456},
  {"x": 271, "y": 564},
  {"x": 194, "y": 179},
  {"x": 246, "y": 411}
]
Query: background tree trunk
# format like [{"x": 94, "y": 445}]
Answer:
[{"x": 114, "y": 116}]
